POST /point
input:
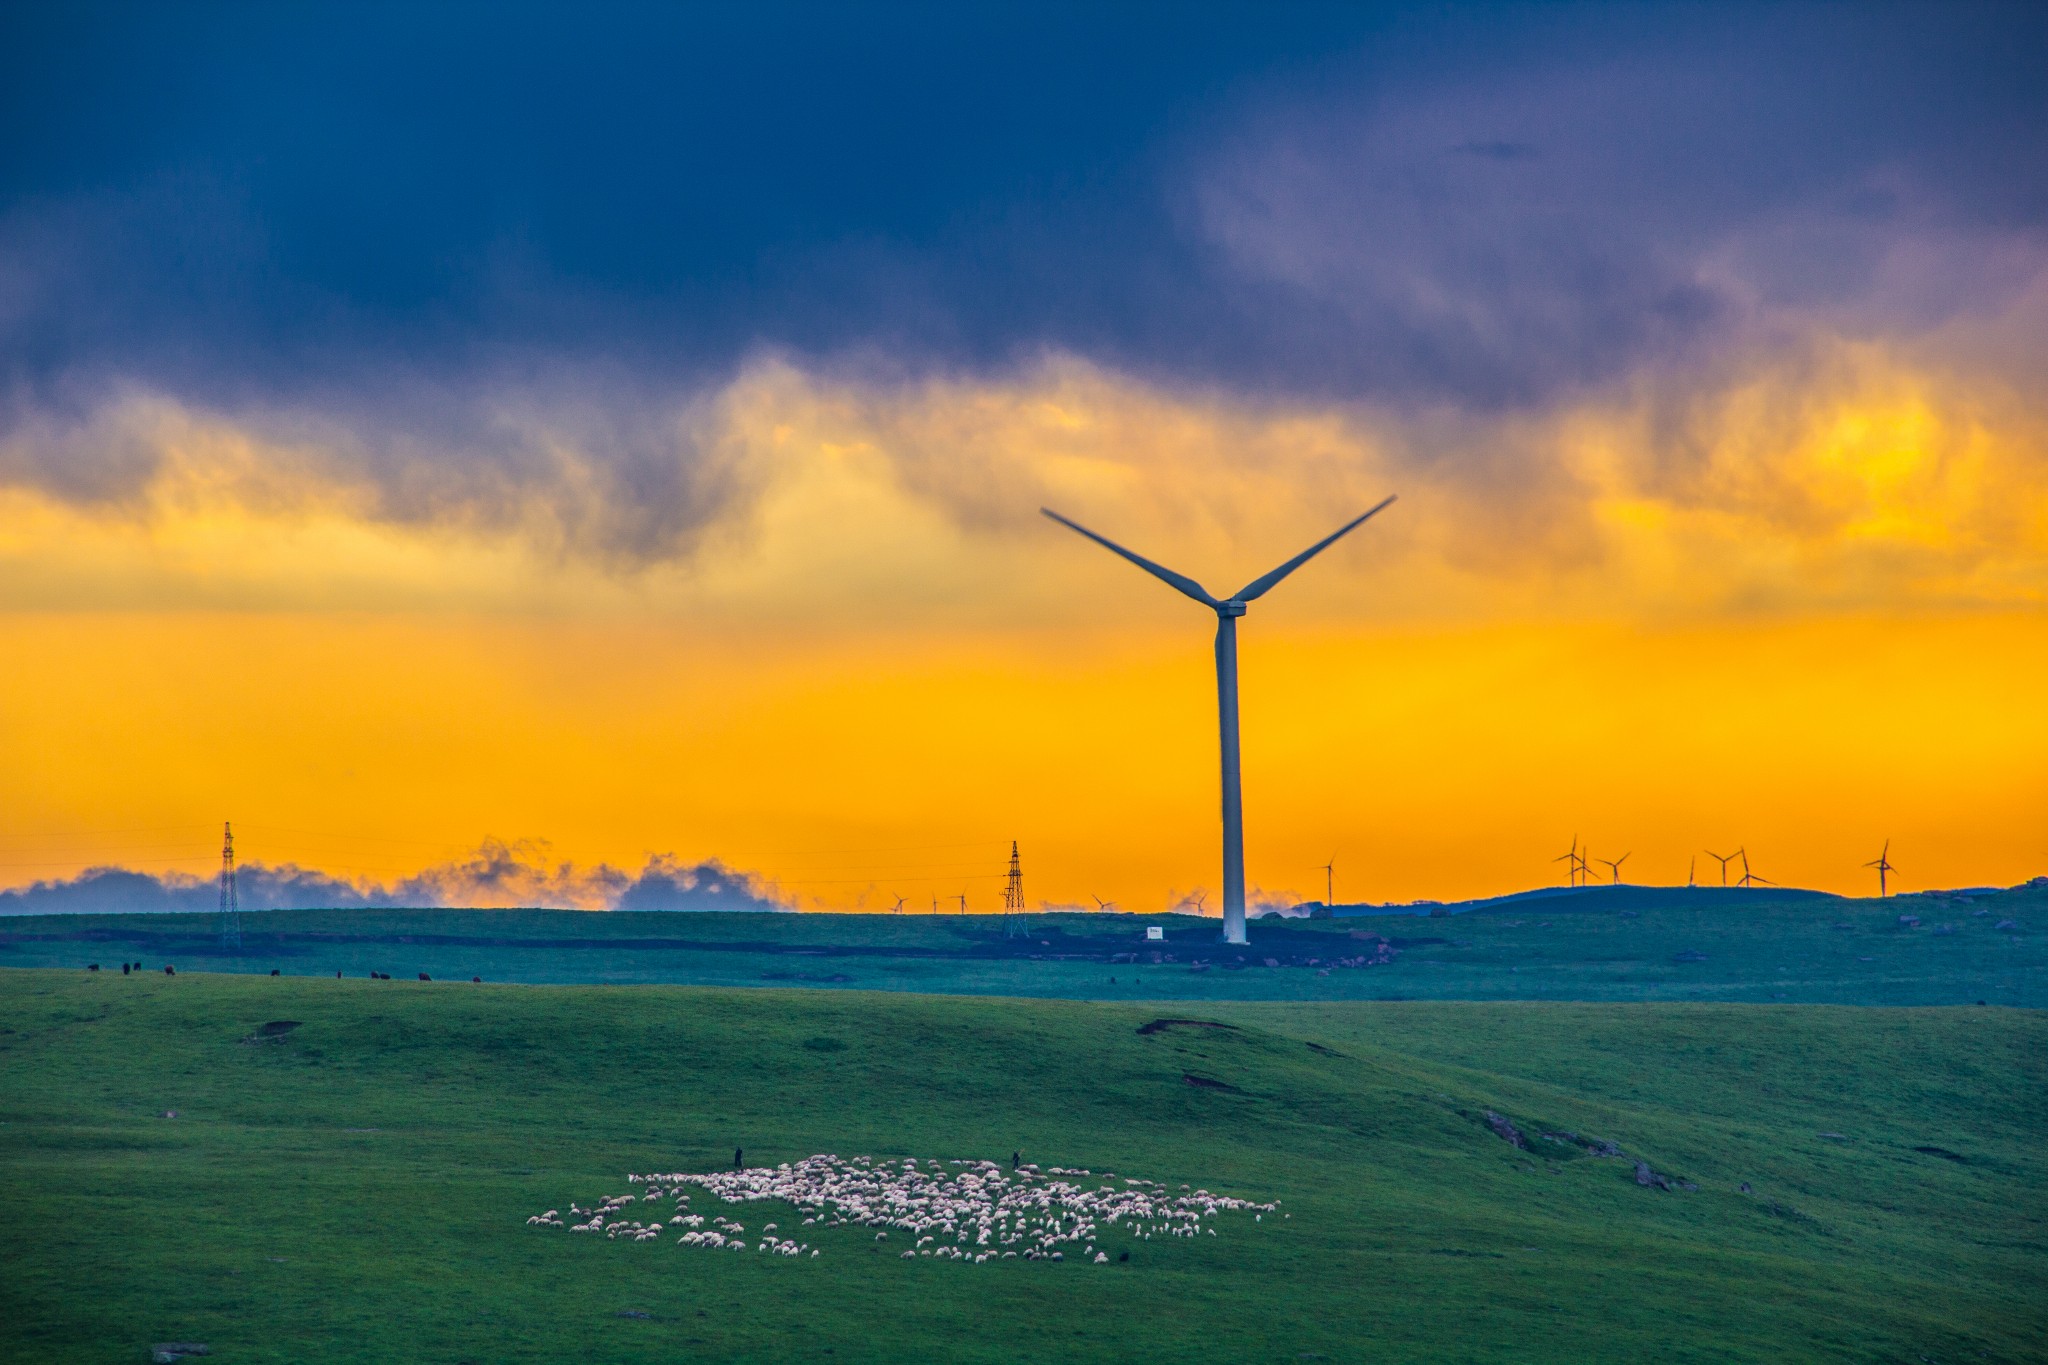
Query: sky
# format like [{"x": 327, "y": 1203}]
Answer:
[{"x": 518, "y": 454}]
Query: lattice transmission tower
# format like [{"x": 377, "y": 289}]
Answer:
[
  {"x": 230, "y": 904},
  {"x": 1013, "y": 897}
]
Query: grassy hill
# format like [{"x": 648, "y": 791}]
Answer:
[
  {"x": 356, "y": 1189},
  {"x": 1602, "y": 943}
]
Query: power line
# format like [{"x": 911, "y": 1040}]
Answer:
[{"x": 1013, "y": 897}]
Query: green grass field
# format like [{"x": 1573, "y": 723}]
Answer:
[{"x": 357, "y": 1190}]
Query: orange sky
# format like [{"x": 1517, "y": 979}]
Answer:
[{"x": 1808, "y": 620}]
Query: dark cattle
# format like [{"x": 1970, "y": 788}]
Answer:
[
  {"x": 169, "y": 970},
  {"x": 92, "y": 967},
  {"x": 480, "y": 981},
  {"x": 273, "y": 971},
  {"x": 425, "y": 977},
  {"x": 124, "y": 969}
]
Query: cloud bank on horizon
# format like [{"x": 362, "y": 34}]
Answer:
[{"x": 499, "y": 874}]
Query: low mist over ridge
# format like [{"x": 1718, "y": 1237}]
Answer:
[{"x": 498, "y": 873}]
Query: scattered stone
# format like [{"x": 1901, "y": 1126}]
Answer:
[
  {"x": 1161, "y": 1025},
  {"x": 1835, "y": 1137},
  {"x": 1908, "y": 921},
  {"x": 1505, "y": 1130},
  {"x": 170, "y": 1352},
  {"x": 1744, "y": 1187},
  {"x": 2007, "y": 924},
  {"x": 1689, "y": 955},
  {"x": 1593, "y": 1146},
  {"x": 272, "y": 1032},
  {"x": 1209, "y": 1083},
  {"x": 1649, "y": 1179},
  {"x": 168, "y": 1114},
  {"x": 632, "y": 1313},
  {"x": 1944, "y": 929}
]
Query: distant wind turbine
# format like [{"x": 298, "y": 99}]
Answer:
[
  {"x": 1101, "y": 904},
  {"x": 1576, "y": 864},
  {"x": 1724, "y": 860},
  {"x": 1750, "y": 878},
  {"x": 1330, "y": 881},
  {"x": 1691, "y": 867},
  {"x": 1613, "y": 866},
  {"x": 1227, "y": 610},
  {"x": 1883, "y": 865},
  {"x": 899, "y": 906}
]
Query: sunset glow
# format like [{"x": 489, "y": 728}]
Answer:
[{"x": 1758, "y": 561}]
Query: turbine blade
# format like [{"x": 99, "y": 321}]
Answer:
[
  {"x": 1264, "y": 583},
  {"x": 1158, "y": 571}
]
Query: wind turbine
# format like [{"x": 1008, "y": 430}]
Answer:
[
  {"x": 1692, "y": 867},
  {"x": 1614, "y": 866},
  {"x": 1102, "y": 906},
  {"x": 1750, "y": 878},
  {"x": 1724, "y": 860},
  {"x": 1883, "y": 865},
  {"x": 1577, "y": 865},
  {"x": 899, "y": 906},
  {"x": 1330, "y": 881},
  {"x": 1227, "y": 610}
]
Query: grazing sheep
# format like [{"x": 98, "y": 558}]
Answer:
[{"x": 975, "y": 1201}]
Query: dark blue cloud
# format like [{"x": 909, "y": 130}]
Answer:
[{"x": 371, "y": 210}]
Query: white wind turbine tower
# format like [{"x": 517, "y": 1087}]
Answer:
[{"x": 1227, "y": 611}]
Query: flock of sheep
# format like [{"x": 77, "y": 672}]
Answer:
[{"x": 955, "y": 1210}]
